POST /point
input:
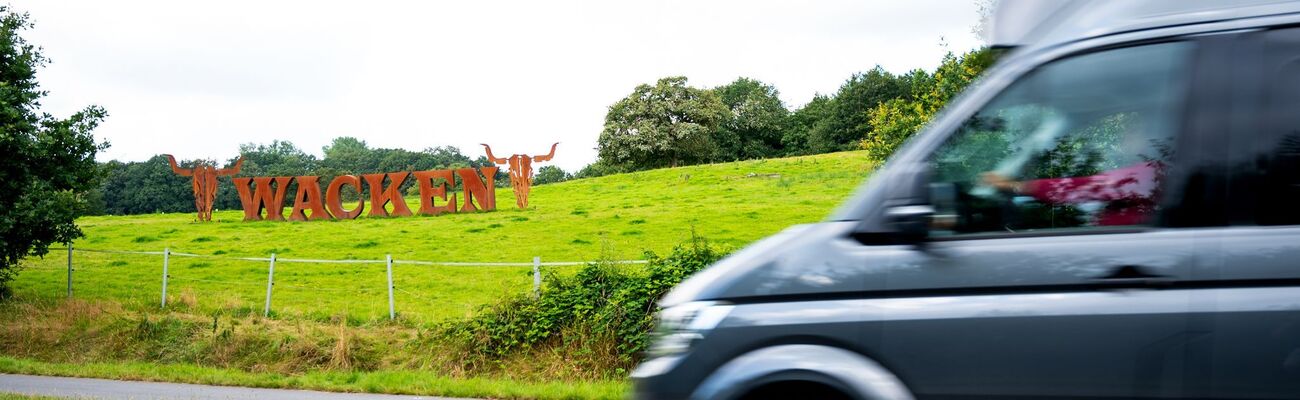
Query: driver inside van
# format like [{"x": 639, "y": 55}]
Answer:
[{"x": 1127, "y": 195}]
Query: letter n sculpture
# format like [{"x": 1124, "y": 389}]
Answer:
[
  {"x": 521, "y": 172},
  {"x": 204, "y": 182}
]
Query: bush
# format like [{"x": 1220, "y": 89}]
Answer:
[
  {"x": 894, "y": 121},
  {"x": 603, "y": 307}
]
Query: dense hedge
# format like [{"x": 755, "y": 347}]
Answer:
[{"x": 603, "y": 307}]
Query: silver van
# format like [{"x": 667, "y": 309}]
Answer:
[{"x": 1112, "y": 212}]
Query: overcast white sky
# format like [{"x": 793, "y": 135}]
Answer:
[{"x": 196, "y": 79}]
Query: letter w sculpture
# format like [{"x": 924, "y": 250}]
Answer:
[
  {"x": 204, "y": 182},
  {"x": 521, "y": 172}
]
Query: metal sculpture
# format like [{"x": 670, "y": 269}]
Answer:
[
  {"x": 204, "y": 182},
  {"x": 521, "y": 171}
]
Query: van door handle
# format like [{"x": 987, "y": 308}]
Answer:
[{"x": 1133, "y": 276}]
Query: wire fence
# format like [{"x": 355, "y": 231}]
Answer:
[{"x": 134, "y": 281}]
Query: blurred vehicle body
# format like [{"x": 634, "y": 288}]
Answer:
[{"x": 931, "y": 284}]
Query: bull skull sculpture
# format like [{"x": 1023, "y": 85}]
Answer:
[
  {"x": 204, "y": 182},
  {"x": 521, "y": 171}
]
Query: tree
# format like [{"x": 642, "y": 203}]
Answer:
[
  {"x": 598, "y": 169},
  {"x": 48, "y": 164},
  {"x": 849, "y": 122},
  {"x": 146, "y": 187},
  {"x": 279, "y": 158},
  {"x": 898, "y": 119},
  {"x": 668, "y": 124},
  {"x": 801, "y": 123},
  {"x": 550, "y": 174},
  {"x": 754, "y": 128},
  {"x": 348, "y": 155}
]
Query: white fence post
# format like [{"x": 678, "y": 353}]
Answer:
[
  {"x": 69, "y": 270},
  {"x": 391, "y": 314},
  {"x": 270, "y": 281},
  {"x": 537, "y": 276},
  {"x": 167, "y": 252}
]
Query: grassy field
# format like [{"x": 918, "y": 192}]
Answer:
[
  {"x": 329, "y": 328},
  {"x": 616, "y": 216}
]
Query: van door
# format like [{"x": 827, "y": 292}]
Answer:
[
  {"x": 1254, "y": 348},
  {"x": 1055, "y": 275}
]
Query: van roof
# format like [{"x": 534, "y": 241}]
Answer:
[{"x": 1041, "y": 23}]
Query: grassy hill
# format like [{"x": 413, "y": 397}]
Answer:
[{"x": 616, "y": 216}]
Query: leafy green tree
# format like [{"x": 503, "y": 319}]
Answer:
[
  {"x": 849, "y": 121},
  {"x": 146, "y": 187},
  {"x": 664, "y": 125},
  {"x": 279, "y": 158},
  {"x": 48, "y": 164},
  {"x": 349, "y": 155},
  {"x": 597, "y": 169},
  {"x": 801, "y": 123},
  {"x": 898, "y": 119},
  {"x": 756, "y": 123},
  {"x": 550, "y": 174}
]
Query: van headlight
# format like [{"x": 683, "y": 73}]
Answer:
[{"x": 682, "y": 325}]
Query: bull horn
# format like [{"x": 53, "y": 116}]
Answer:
[
  {"x": 171, "y": 161},
  {"x": 491, "y": 157},
  {"x": 232, "y": 170},
  {"x": 548, "y": 156}
]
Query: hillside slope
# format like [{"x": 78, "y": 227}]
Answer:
[{"x": 618, "y": 216}]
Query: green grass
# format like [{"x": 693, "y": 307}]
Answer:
[
  {"x": 396, "y": 382},
  {"x": 15, "y": 396},
  {"x": 620, "y": 216},
  {"x": 329, "y": 327}
]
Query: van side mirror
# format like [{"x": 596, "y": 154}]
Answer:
[
  {"x": 910, "y": 223},
  {"x": 914, "y": 223},
  {"x": 911, "y": 210}
]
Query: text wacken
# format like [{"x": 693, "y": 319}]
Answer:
[{"x": 265, "y": 195}]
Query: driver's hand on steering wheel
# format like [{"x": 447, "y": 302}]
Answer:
[{"x": 1000, "y": 182}]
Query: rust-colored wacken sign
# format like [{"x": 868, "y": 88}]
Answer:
[
  {"x": 263, "y": 197},
  {"x": 204, "y": 182},
  {"x": 521, "y": 171}
]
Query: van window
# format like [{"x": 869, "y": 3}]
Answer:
[
  {"x": 1264, "y": 163},
  {"x": 1078, "y": 143}
]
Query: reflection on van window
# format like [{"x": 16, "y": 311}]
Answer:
[{"x": 1080, "y": 142}]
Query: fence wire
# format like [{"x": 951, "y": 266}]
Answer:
[{"x": 291, "y": 280}]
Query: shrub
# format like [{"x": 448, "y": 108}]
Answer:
[{"x": 603, "y": 307}]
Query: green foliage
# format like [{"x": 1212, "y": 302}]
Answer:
[
  {"x": 48, "y": 164},
  {"x": 896, "y": 120},
  {"x": 756, "y": 122},
  {"x": 599, "y": 168},
  {"x": 811, "y": 117},
  {"x": 550, "y": 174},
  {"x": 149, "y": 187},
  {"x": 602, "y": 303},
  {"x": 849, "y": 121},
  {"x": 665, "y": 125}
]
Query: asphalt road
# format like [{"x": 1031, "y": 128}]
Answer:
[{"x": 82, "y": 388}]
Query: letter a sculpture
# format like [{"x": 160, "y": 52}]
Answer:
[
  {"x": 204, "y": 183},
  {"x": 521, "y": 172}
]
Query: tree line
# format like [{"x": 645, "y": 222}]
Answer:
[
  {"x": 670, "y": 123},
  {"x": 150, "y": 186}
]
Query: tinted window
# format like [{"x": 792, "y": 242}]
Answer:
[
  {"x": 1080, "y": 142},
  {"x": 1264, "y": 161}
]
